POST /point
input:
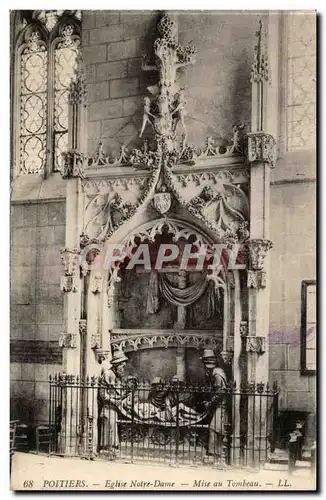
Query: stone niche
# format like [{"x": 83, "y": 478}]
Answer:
[
  {"x": 162, "y": 362},
  {"x": 133, "y": 300}
]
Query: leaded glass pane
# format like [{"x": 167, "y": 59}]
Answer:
[
  {"x": 33, "y": 106},
  {"x": 301, "y": 85},
  {"x": 65, "y": 66}
]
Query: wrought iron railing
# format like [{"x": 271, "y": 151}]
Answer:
[{"x": 170, "y": 422}]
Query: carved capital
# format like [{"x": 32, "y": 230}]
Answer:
[
  {"x": 68, "y": 340},
  {"x": 243, "y": 328},
  {"x": 69, "y": 259},
  {"x": 68, "y": 283},
  {"x": 256, "y": 344},
  {"x": 73, "y": 164},
  {"x": 227, "y": 357},
  {"x": 258, "y": 249},
  {"x": 261, "y": 147},
  {"x": 96, "y": 341},
  {"x": 82, "y": 327}
]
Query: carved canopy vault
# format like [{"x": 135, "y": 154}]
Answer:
[{"x": 166, "y": 184}]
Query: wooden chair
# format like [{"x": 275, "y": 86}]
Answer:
[{"x": 12, "y": 438}]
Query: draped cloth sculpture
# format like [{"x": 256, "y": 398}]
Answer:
[{"x": 159, "y": 285}]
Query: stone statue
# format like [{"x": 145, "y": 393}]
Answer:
[
  {"x": 169, "y": 98},
  {"x": 215, "y": 406},
  {"x": 147, "y": 116},
  {"x": 110, "y": 396}
]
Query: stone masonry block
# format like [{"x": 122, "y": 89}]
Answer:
[
  {"x": 146, "y": 25},
  {"x": 41, "y": 372},
  {"x": 56, "y": 213},
  {"x": 107, "y": 109},
  {"x": 106, "y": 18},
  {"x": 15, "y": 371},
  {"x": 94, "y": 54},
  {"x": 294, "y": 355},
  {"x": 41, "y": 390},
  {"x": 293, "y": 381},
  {"x": 16, "y": 332},
  {"x": 24, "y": 236},
  {"x": 28, "y": 331},
  {"x": 134, "y": 67},
  {"x": 111, "y": 70},
  {"x": 98, "y": 91},
  {"x": 30, "y": 215},
  {"x": 55, "y": 331},
  {"x": 85, "y": 37},
  {"x": 45, "y": 236},
  {"x": 118, "y": 127},
  {"x": 132, "y": 105},
  {"x": 90, "y": 73},
  {"x": 124, "y": 88},
  {"x": 88, "y": 19},
  {"x": 16, "y": 215},
  {"x": 42, "y": 332},
  {"x": 302, "y": 401},
  {"x": 312, "y": 383},
  {"x": 278, "y": 357},
  {"x": 106, "y": 35},
  {"x": 122, "y": 50},
  {"x": 23, "y": 314},
  {"x": 94, "y": 131},
  {"x": 27, "y": 371}
]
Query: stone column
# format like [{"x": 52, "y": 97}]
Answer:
[
  {"x": 71, "y": 283},
  {"x": 180, "y": 325},
  {"x": 261, "y": 156}
]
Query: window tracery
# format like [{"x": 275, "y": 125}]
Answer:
[
  {"x": 47, "y": 49},
  {"x": 301, "y": 81}
]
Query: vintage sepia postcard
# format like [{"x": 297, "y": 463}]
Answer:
[{"x": 163, "y": 250}]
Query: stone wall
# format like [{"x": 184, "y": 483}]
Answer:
[
  {"x": 293, "y": 259},
  {"x": 218, "y": 88},
  {"x": 37, "y": 233}
]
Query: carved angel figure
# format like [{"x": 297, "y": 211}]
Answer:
[
  {"x": 100, "y": 213},
  {"x": 147, "y": 116},
  {"x": 179, "y": 112}
]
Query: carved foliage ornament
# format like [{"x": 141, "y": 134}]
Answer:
[
  {"x": 73, "y": 164},
  {"x": 134, "y": 342},
  {"x": 259, "y": 71},
  {"x": 82, "y": 327},
  {"x": 69, "y": 259},
  {"x": 261, "y": 148},
  {"x": 258, "y": 249}
]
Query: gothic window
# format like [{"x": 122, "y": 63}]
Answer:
[
  {"x": 47, "y": 47},
  {"x": 301, "y": 81},
  {"x": 308, "y": 327}
]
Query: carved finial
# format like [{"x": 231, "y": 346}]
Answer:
[
  {"x": 78, "y": 88},
  {"x": 259, "y": 71}
]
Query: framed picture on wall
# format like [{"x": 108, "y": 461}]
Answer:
[{"x": 308, "y": 327}]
